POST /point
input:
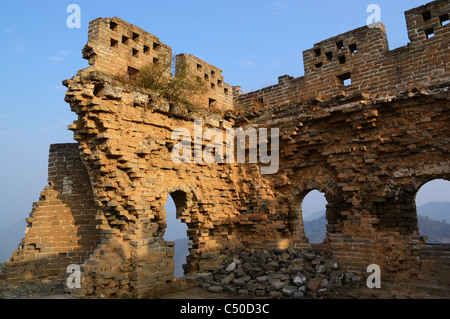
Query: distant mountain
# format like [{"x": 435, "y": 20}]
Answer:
[
  {"x": 439, "y": 211},
  {"x": 436, "y": 231},
  {"x": 430, "y": 219},
  {"x": 316, "y": 230},
  {"x": 314, "y": 216},
  {"x": 10, "y": 238}
]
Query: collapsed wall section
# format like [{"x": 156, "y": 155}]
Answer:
[{"x": 62, "y": 225}]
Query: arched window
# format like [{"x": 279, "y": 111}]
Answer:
[
  {"x": 314, "y": 219},
  {"x": 176, "y": 231},
  {"x": 433, "y": 210}
]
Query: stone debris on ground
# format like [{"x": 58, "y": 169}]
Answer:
[{"x": 279, "y": 273}]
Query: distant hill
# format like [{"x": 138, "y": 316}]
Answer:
[
  {"x": 436, "y": 231},
  {"x": 439, "y": 211},
  {"x": 430, "y": 219},
  {"x": 314, "y": 216}
]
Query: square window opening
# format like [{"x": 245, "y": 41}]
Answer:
[
  {"x": 199, "y": 67},
  {"x": 317, "y": 52},
  {"x": 132, "y": 73},
  {"x": 135, "y": 36},
  {"x": 146, "y": 49},
  {"x": 213, "y": 86},
  {"x": 340, "y": 45},
  {"x": 114, "y": 43},
  {"x": 225, "y": 90},
  {"x": 345, "y": 79},
  {"x": 135, "y": 52},
  {"x": 219, "y": 82},
  {"x": 429, "y": 33},
  {"x": 341, "y": 59},
  {"x": 113, "y": 25},
  {"x": 212, "y": 103},
  {"x": 125, "y": 39},
  {"x": 206, "y": 76},
  {"x": 426, "y": 15},
  {"x": 155, "y": 60},
  {"x": 329, "y": 56},
  {"x": 156, "y": 46},
  {"x": 444, "y": 19},
  {"x": 213, "y": 73},
  {"x": 353, "y": 48}
]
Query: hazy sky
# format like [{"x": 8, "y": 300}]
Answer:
[{"x": 252, "y": 41}]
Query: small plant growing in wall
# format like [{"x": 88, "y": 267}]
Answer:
[{"x": 157, "y": 76}]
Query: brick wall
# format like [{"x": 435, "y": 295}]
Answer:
[
  {"x": 359, "y": 61},
  {"x": 121, "y": 49},
  {"x": 62, "y": 226}
]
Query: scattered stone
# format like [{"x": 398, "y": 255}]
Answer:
[
  {"x": 215, "y": 289},
  {"x": 314, "y": 284}
]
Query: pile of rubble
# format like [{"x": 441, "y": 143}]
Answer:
[{"x": 280, "y": 273}]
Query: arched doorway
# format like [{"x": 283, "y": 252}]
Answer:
[
  {"x": 176, "y": 230},
  {"x": 433, "y": 211},
  {"x": 314, "y": 216}
]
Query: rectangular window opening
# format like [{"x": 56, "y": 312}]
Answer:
[
  {"x": 125, "y": 39},
  {"x": 112, "y": 25},
  {"x": 444, "y": 19},
  {"x": 426, "y": 15},
  {"x": 132, "y": 72},
  {"x": 146, "y": 49},
  {"x": 317, "y": 52},
  {"x": 341, "y": 59},
  {"x": 340, "y": 45},
  {"x": 213, "y": 74},
  {"x": 213, "y": 86},
  {"x": 206, "y": 76},
  {"x": 225, "y": 90},
  {"x": 219, "y": 82},
  {"x": 135, "y": 52},
  {"x": 429, "y": 33},
  {"x": 155, "y": 60},
  {"x": 156, "y": 46},
  {"x": 135, "y": 36},
  {"x": 199, "y": 67},
  {"x": 329, "y": 56},
  {"x": 114, "y": 43},
  {"x": 212, "y": 103},
  {"x": 353, "y": 48},
  {"x": 319, "y": 65},
  {"x": 345, "y": 79}
]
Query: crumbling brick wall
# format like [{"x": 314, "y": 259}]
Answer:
[
  {"x": 368, "y": 146},
  {"x": 62, "y": 225}
]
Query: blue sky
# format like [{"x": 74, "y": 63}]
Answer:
[{"x": 252, "y": 41}]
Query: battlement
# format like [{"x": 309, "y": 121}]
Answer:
[
  {"x": 119, "y": 48},
  {"x": 359, "y": 61},
  {"x": 426, "y": 21}
]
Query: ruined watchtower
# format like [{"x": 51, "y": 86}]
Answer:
[{"x": 365, "y": 125}]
